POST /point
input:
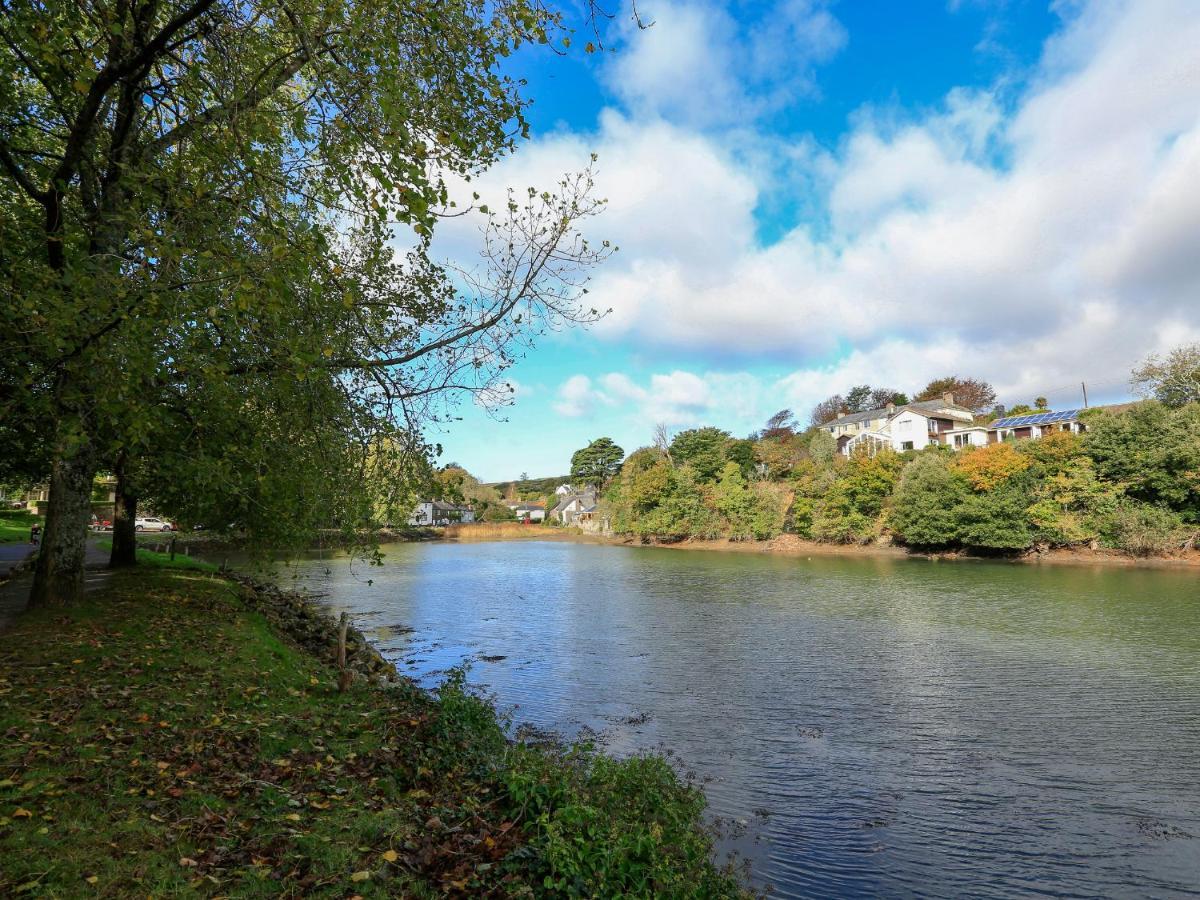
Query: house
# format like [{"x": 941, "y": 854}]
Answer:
[
  {"x": 565, "y": 490},
  {"x": 526, "y": 511},
  {"x": 910, "y": 426},
  {"x": 435, "y": 513},
  {"x": 1035, "y": 425},
  {"x": 575, "y": 508}
]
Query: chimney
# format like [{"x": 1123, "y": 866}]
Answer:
[
  {"x": 948, "y": 398},
  {"x": 891, "y": 407}
]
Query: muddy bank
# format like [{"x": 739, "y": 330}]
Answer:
[{"x": 791, "y": 545}]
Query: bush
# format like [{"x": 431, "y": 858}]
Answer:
[
  {"x": 850, "y": 511},
  {"x": 1144, "y": 530},
  {"x": 929, "y": 492},
  {"x": 1152, "y": 450},
  {"x": 986, "y": 468},
  {"x": 997, "y": 520}
]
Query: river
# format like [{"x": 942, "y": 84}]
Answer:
[{"x": 881, "y": 726}]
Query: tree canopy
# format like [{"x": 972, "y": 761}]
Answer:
[
  {"x": 597, "y": 463},
  {"x": 973, "y": 393},
  {"x": 1173, "y": 380},
  {"x": 218, "y": 209}
]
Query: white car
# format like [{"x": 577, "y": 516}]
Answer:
[{"x": 150, "y": 523}]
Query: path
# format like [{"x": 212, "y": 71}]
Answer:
[{"x": 14, "y": 594}]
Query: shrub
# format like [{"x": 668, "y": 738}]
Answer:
[
  {"x": 850, "y": 511},
  {"x": 927, "y": 496},
  {"x": 1143, "y": 529},
  {"x": 986, "y": 468},
  {"x": 997, "y": 520},
  {"x": 1152, "y": 450}
]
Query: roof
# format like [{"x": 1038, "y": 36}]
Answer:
[
  {"x": 442, "y": 504},
  {"x": 920, "y": 406},
  {"x": 1042, "y": 418}
]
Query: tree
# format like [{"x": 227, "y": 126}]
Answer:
[
  {"x": 972, "y": 393},
  {"x": 1041, "y": 404},
  {"x": 206, "y": 193},
  {"x": 881, "y": 397},
  {"x": 704, "y": 449},
  {"x": 1174, "y": 381},
  {"x": 597, "y": 463},
  {"x": 1151, "y": 449},
  {"x": 827, "y": 410},
  {"x": 780, "y": 426},
  {"x": 850, "y": 510},
  {"x": 927, "y": 495},
  {"x": 858, "y": 399},
  {"x": 987, "y": 468}
]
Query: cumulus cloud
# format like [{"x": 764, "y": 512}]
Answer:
[
  {"x": 698, "y": 65},
  {"x": 677, "y": 399},
  {"x": 1031, "y": 240}
]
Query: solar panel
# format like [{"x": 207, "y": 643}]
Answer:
[{"x": 1045, "y": 418}]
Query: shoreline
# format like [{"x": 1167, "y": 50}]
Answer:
[{"x": 787, "y": 545}]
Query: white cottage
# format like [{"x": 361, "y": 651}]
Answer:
[
  {"x": 910, "y": 426},
  {"x": 436, "y": 513}
]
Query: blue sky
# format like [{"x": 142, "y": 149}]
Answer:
[{"x": 810, "y": 195}]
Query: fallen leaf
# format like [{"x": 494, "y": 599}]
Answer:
[
  {"x": 391, "y": 855},
  {"x": 360, "y": 876},
  {"x": 22, "y": 813},
  {"x": 187, "y": 862},
  {"x": 92, "y": 879}
]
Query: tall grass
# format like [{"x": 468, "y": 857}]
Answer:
[{"x": 499, "y": 531}]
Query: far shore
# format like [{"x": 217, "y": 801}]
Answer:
[{"x": 792, "y": 546}]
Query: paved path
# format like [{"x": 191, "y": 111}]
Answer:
[
  {"x": 14, "y": 594},
  {"x": 13, "y": 554}
]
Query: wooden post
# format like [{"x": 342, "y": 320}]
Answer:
[
  {"x": 344, "y": 675},
  {"x": 172, "y": 548}
]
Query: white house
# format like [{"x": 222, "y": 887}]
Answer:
[
  {"x": 565, "y": 490},
  {"x": 435, "y": 513},
  {"x": 908, "y": 427},
  {"x": 575, "y": 508},
  {"x": 527, "y": 512}
]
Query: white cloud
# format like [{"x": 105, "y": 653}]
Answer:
[
  {"x": 577, "y": 397},
  {"x": 699, "y": 65},
  {"x": 1034, "y": 243},
  {"x": 676, "y": 399}
]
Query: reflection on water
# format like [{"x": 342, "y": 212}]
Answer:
[{"x": 895, "y": 727}]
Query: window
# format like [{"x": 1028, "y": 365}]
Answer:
[{"x": 906, "y": 445}]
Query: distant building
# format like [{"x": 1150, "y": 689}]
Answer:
[
  {"x": 565, "y": 490},
  {"x": 437, "y": 513},
  {"x": 909, "y": 426},
  {"x": 527, "y": 512},
  {"x": 575, "y": 508}
]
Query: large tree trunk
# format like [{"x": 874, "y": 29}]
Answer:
[
  {"x": 58, "y": 577},
  {"x": 124, "y": 533}
]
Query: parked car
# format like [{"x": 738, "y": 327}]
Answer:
[
  {"x": 151, "y": 523},
  {"x": 99, "y": 524}
]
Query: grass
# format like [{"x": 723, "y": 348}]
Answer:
[
  {"x": 15, "y": 525},
  {"x": 160, "y": 739},
  {"x": 155, "y": 560},
  {"x": 490, "y": 531}
]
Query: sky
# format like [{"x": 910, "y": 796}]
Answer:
[{"x": 811, "y": 195}]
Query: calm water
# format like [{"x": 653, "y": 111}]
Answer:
[{"x": 884, "y": 727}]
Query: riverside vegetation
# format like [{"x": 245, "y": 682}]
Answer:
[
  {"x": 130, "y": 765},
  {"x": 1131, "y": 483}
]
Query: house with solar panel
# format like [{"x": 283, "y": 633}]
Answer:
[
  {"x": 1035, "y": 425},
  {"x": 909, "y": 426}
]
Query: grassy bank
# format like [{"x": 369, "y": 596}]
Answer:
[
  {"x": 162, "y": 739},
  {"x": 15, "y": 525}
]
